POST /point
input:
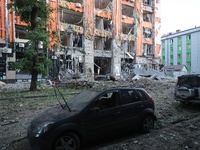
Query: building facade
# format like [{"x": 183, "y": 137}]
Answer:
[
  {"x": 96, "y": 37},
  {"x": 182, "y": 48}
]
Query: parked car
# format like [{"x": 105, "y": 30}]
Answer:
[
  {"x": 90, "y": 115},
  {"x": 187, "y": 89}
]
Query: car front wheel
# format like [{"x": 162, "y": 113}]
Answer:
[
  {"x": 67, "y": 141},
  {"x": 147, "y": 124}
]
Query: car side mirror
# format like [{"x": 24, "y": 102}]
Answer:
[{"x": 94, "y": 109}]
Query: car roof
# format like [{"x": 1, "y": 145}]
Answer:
[
  {"x": 115, "y": 88},
  {"x": 189, "y": 75}
]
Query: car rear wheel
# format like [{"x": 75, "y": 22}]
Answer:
[
  {"x": 67, "y": 141},
  {"x": 147, "y": 124}
]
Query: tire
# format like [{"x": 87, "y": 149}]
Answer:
[
  {"x": 67, "y": 141},
  {"x": 147, "y": 124}
]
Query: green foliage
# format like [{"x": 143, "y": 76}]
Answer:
[{"x": 36, "y": 13}]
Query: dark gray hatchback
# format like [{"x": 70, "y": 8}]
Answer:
[
  {"x": 187, "y": 89},
  {"x": 90, "y": 115}
]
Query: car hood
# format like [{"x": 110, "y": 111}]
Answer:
[{"x": 53, "y": 114}]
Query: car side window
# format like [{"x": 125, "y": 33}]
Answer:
[
  {"x": 129, "y": 96},
  {"x": 142, "y": 95},
  {"x": 107, "y": 100}
]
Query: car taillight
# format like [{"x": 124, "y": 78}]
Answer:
[{"x": 151, "y": 98}]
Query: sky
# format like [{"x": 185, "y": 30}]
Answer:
[{"x": 179, "y": 14}]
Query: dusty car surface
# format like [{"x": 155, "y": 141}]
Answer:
[
  {"x": 91, "y": 115},
  {"x": 187, "y": 89}
]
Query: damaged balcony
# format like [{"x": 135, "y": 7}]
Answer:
[
  {"x": 75, "y": 5},
  {"x": 102, "y": 47},
  {"x": 128, "y": 2},
  {"x": 127, "y": 32},
  {"x": 148, "y": 5}
]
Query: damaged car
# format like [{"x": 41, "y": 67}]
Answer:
[
  {"x": 187, "y": 89},
  {"x": 91, "y": 115}
]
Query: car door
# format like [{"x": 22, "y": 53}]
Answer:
[
  {"x": 103, "y": 116},
  {"x": 132, "y": 108}
]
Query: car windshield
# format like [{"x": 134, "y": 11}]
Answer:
[
  {"x": 81, "y": 100},
  {"x": 190, "y": 80}
]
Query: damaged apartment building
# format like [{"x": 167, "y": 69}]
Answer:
[{"x": 100, "y": 37}]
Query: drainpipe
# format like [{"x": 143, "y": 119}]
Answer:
[
  {"x": 7, "y": 23},
  {"x": 135, "y": 31}
]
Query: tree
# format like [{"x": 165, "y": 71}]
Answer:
[{"x": 36, "y": 14}]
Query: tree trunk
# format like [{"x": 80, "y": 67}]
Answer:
[
  {"x": 34, "y": 77},
  {"x": 34, "y": 74}
]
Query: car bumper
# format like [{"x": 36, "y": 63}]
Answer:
[{"x": 194, "y": 100}]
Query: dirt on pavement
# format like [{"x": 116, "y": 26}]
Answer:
[{"x": 177, "y": 127}]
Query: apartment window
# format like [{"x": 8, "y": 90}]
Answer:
[
  {"x": 171, "y": 41},
  {"x": 179, "y": 63},
  {"x": 179, "y": 56},
  {"x": 171, "y": 64},
  {"x": 179, "y": 48},
  {"x": 188, "y": 63},
  {"x": 163, "y": 57},
  {"x": 171, "y": 57},
  {"x": 171, "y": 48},
  {"x": 188, "y": 55},
  {"x": 179, "y": 39},
  {"x": 189, "y": 37},
  {"x": 188, "y": 46}
]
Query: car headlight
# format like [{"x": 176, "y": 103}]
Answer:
[{"x": 43, "y": 128}]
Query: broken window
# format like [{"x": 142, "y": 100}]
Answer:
[
  {"x": 147, "y": 17},
  {"x": 98, "y": 43},
  {"x": 131, "y": 47},
  {"x": 102, "y": 65},
  {"x": 147, "y": 32},
  {"x": 77, "y": 40},
  {"x": 107, "y": 44},
  {"x": 104, "y": 5},
  {"x": 20, "y": 32},
  {"x": 148, "y": 49},
  {"x": 102, "y": 43},
  {"x": 65, "y": 39},
  {"x": 127, "y": 11},
  {"x": 127, "y": 28},
  {"x": 103, "y": 24},
  {"x": 148, "y": 2}
]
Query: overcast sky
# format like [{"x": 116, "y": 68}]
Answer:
[{"x": 179, "y": 14}]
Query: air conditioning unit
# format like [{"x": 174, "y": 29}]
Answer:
[
  {"x": 132, "y": 0},
  {"x": 7, "y": 50},
  {"x": 123, "y": 17},
  {"x": 54, "y": 57},
  {"x": 78, "y": 5},
  {"x": 21, "y": 45}
]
